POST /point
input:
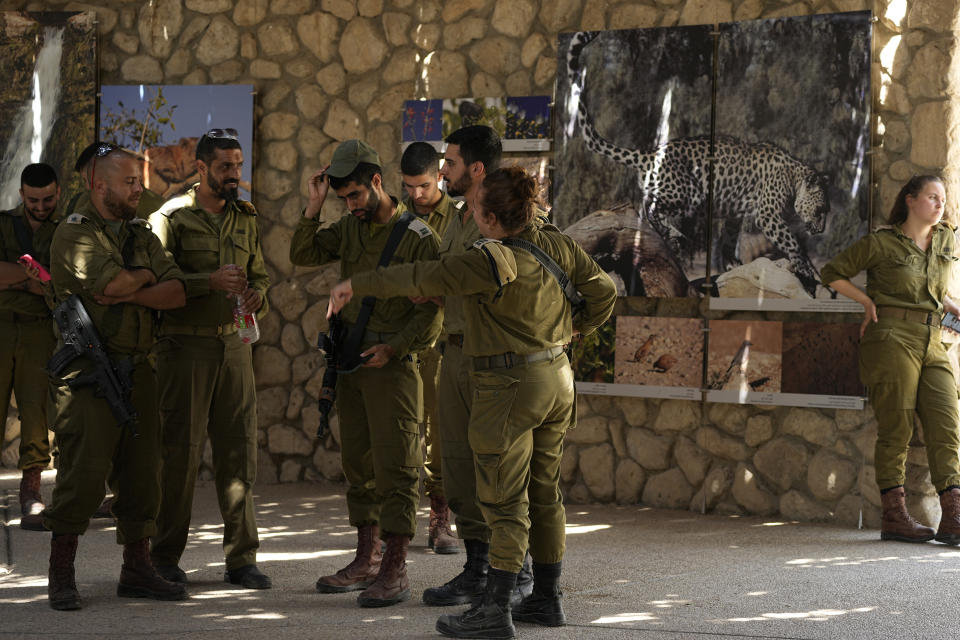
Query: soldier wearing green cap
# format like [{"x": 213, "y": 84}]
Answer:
[
  {"x": 380, "y": 402},
  {"x": 207, "y": 387}
]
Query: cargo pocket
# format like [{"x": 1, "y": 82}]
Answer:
[
  {"x": 411, "y": 453},
  {"x": 493, "y": 396},
  {"x": 489, "y": 480}
]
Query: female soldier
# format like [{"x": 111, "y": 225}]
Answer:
[
  {"x": 902, "y": 360},
  {"x": 516, "y": 326}
]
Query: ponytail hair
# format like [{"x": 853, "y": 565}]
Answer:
[
  {"x": 913, "y": 187},
  {"x": 510, "y": 195}
]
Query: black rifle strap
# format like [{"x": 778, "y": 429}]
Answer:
[
  {"x": 355, "y": 337},
  {"x": 24, "y": 237},
  {"x": 552, "y": 268}
]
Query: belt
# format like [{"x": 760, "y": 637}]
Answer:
[
  {"x": 13, "y": 316},
  {"x": 931, "y": 318},
  {"x": 509, "y": 360},
  {"x": 194, "y": 330},
  {"x": 456, "y": 338}
]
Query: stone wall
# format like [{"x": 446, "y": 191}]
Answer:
[{"x": 328, "y": 70}]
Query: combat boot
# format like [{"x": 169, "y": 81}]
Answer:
[
  {"x": 469, "y": 584},
  {"x": 391, "y": 585},
  {"x": 441, "y": 538},
  {"x": 949, "y": 530},
  {"x": 138, "y": 578},
  {"x": 360, "y": 573},
  {"x": 896, "y": 523},
  {"x": 62, "y": 585},
  {"x": 543, "y": 606},
  {"x": 31, "y": 502},
  {"x": 490, "y": 618},
  {"x": 524, "y": 582}
]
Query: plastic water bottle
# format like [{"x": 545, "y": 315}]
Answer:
[{"x": 246, "y": 324}]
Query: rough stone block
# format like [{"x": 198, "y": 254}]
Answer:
[
  {"x": 750, "y": 494},
  {"x": 667, "y": 490},
  {"x": 782, "y": 462}
]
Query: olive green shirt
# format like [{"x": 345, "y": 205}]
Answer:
[
  {"x": 439, "y": 219},
  {"x": 457, "y": 240},
  {"x": 86, "y": 256},
  {"x": 899, "y": 274},
  {"x": 512, "y": 304},
  {"x": 19, "y": 300},
  {"x": 358, "y": 246},
  {"x": 199, "y": 247}
]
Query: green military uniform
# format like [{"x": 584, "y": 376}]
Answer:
[
  {"x": 903, "y": 363},
  {"x": 515, "y": 325},
  {"x": 454, "y": 395},
  {"x": 379, "y": 407},
  {"x": 86, "y": 254},
  {"x": 439, "y": 219},
  {"x": 29, "y": 339},
  {"x": 206, "y": 377}
]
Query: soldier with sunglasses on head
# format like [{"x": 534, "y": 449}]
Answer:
[{"x": 205, "y": 370}]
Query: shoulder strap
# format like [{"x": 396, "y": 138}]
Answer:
[
  {"x": 570, "y": 291},
  {"x": 24, "y": 237},
  {"x": 355, "y": 337}
]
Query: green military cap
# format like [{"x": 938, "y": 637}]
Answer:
[{"x": 348, "y": 155}]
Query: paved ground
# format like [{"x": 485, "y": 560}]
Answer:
[{"x": 630, "y": 573}]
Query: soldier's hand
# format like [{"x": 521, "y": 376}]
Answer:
[
  {"x": 250, "y": 301},
  {"x": 34, "y": 286},
  {"x": 437, "y": 300},
  {"x": 869, "y": 315},
  {"x": 340, "y": 295},
  {"x": 229, "y": 278},
  {"x": 380, "y": 355},
  {"x": 108, "y": 300},
  {"x": 317, "y": 187}
]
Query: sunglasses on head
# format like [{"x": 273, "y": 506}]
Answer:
[
  {"x": 102, "y": 150},
  {"x": 230, "y": 134}
]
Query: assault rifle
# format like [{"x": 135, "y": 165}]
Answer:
[
  {"x": 341, "y": 357},
  {"x": 113, "y": 381}
]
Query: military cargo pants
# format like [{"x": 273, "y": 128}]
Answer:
[
  {"x": 517, "y": 423},
  {"x": 905, "y": 368},
  {"x": 454, "y": 397},
  {"x": 429, "y": 374},
  {"x": 207, "y": 390},
  {"x": 25, "y": 349},
  {"x": 93, "y": 449},
  {"x": 380, "y": 451}
]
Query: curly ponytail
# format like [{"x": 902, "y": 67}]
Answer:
[{"x": 510, "y": 195}]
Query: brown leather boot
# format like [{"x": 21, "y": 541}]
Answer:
[
  {"x": 62, "y": 585},
  {"x": 138, "y": 578},
  {"x": 391, "y": 585},
  {"x": 31, "y": 501},
  {"x": 360, "y": 573},
  {"x": 949, "y": 530},
  {"x": 441, "y": 538},
  {"x": 897, "y": 523}
]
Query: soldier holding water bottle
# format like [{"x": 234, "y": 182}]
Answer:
[{"x": 205, "y": 362}]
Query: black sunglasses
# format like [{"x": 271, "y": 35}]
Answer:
[
  {"x": 230, "y": 134},
  {"x": 103, "y": 149}
]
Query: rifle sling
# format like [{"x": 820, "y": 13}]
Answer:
[
  {"x": 355, "y": 337},
  {"x": 570, "y": 291},
  {"x": 24, "y": 237}
]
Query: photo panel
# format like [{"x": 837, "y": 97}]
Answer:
[
  {"x": 744, "y": 356},
  {"x": 632, "y": 129},
  {"x": 422, "y": 121},
  {"x": 592, "y": 356},
  {"x": 660, "y": 352},
  {"x": 163, "y": 123},
  {"x": 466, "y": 112},
  {"x": 527, "y": 124},
  {"x": 821, "y": 358},
  {"x": 792, "y": 176},
  {"x": 48, "y": 103}
]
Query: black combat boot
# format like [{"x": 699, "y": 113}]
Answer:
[
  {"x": 524, "y": 582},
  {"x": 543, "y": 606},
  {"x": 469, "y": 584},
  {"x": 31, "y": 502},
  {"x": 62, "y": 585},
  {"x": 489, "y": 619}
]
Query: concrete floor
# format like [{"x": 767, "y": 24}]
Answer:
[{"x": 629, "y": 573}]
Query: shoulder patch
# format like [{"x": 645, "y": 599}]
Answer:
[
  {"x": 173, "y": 204},
  {"x": 482, "y": 241},
  {"x": 140, "y": 222},
  {"x": 76, "y": 218},
  {"x": 459, "y": 204},
  {"x": 246, "y": 207},
  {"x": 420, "y": 227}
]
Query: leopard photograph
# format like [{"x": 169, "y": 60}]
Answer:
[{"x": 637, "y": 128}]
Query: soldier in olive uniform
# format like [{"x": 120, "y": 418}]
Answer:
[
  {"x": 517, "y": 323},
  {"x": 419, "y": 170},
  {"x": 118, "y": 268},
  {"x": 149, "y": 200},
  {"x": 205, "y": 371},
  {"x": 380, "y": 403},
  {"x": 27, "y": 328},
  {"x": 903, "y": 362}
]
